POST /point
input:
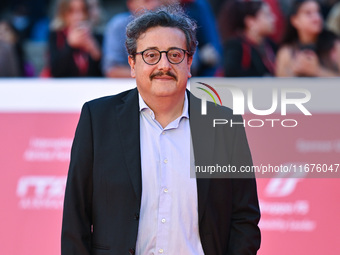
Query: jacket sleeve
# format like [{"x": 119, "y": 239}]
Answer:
[
  {"x": 245, "y": 235},
  {"x": 77, "y": 214}
]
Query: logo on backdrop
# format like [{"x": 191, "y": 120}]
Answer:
[
  {"x": 41, "y": 192},
  {"x": 281, "y": 187},
  {"x": 240, "y": 101},
  {"x": 286, "y": 212},
  {"x": 213, "y": 98}
]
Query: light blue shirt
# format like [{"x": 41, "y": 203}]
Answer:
[{"x": 168, "y": 222}]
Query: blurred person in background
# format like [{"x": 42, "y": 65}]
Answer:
[
  {"x": 297, "y": 55},
  {"x": 12, "y": 55},
  {"x": 328, "y": 50},
  {"x": 245, "y": 27},
  {"x": 30, "y": 19},
  {"x": 97, "y": 16},
  {"x": 9, "y": 64},
  {"x": 74, "y": 51},
  {"x": 208, "y": 59},
  {"x": 21, "y": 18},
  {"x": 115, "y": 57},
  {"x": 277, "y": 10},
  {"x": 333, "y": 19}
]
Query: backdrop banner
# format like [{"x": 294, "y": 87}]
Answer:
[{"x": 297, "y": 166}]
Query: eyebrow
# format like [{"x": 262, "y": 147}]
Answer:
[
  {"x": 152, "y": 48},
  {"x": 156, "y": 48}
]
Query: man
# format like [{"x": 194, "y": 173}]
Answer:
[{"x": 129, "y": 189}]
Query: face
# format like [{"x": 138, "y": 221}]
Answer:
[
  {"x": 308, "y": 18},
  {"x": 162, "y": 79},
  {"x": 265, "y": 20},
  {"x": 76, "y": 13}
]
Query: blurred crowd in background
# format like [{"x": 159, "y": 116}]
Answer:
[{"x": 236, "y": 38}]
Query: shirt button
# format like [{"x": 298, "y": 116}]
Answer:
[
  {"x": 165, "y": 161},
  {"x": 160, "y": 250},
  {"x": 163, "y": 133},
  {"x": 163, "y": 220},
  {"x": 166, "y": 190}
]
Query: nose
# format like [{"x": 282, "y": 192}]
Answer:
[{"x": 164, "y": 63}]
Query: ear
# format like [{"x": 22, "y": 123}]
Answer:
[
  {"x": 132, "y": 65},
  {"x": 249, "y": 22},
  {"x": 337, "y": 53},
  {"x": 294, "y": 21},
  {"x": 190, "y": 58}
]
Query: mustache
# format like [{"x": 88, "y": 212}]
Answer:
[{"x": 159, "y": 74}]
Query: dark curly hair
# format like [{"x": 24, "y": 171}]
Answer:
[{"x": 166, "y": 16}]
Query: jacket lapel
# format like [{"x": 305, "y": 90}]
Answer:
[
  {"x": 202, "y": 140},
  {"x": 128, "y": 120}
]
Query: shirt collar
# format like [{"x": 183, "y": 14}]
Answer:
[{"x": 185, "y": 113}]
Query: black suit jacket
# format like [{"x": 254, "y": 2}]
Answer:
[{"x": 104, "y": 186}]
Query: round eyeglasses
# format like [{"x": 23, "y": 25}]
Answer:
[{"x": 153, "y": 56}]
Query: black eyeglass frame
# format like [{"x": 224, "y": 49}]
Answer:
[{"x": 166, "y": 54}]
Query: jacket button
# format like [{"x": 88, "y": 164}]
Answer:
[
  {"x": 132, "y": 251},
  {"x": 136, "y": 216}
]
